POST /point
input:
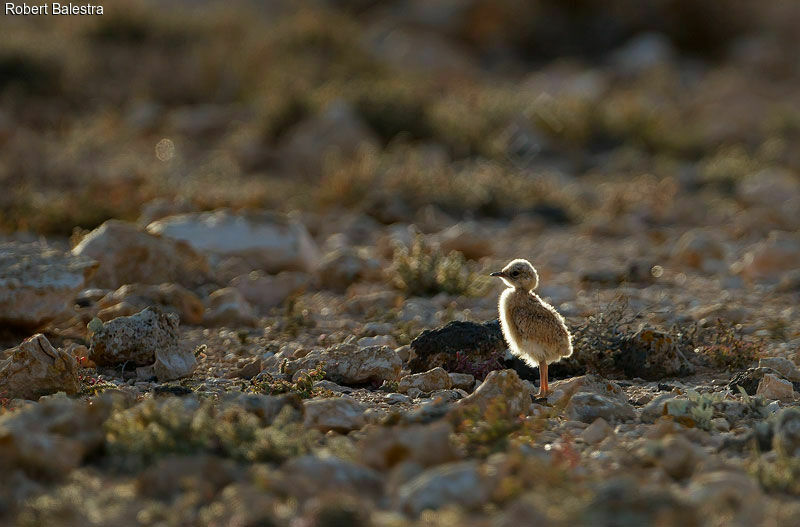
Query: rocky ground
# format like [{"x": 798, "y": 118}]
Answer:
[{"x": 246, "y": 282}]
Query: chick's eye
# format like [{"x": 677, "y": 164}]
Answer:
[{"x": 515, "y": 273}]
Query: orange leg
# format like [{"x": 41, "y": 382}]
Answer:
[{"x": 544, "y": 388}]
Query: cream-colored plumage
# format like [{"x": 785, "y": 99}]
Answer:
[{"x": 534, "y": 330}]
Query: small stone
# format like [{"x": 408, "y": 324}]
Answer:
[
  {"x": 35, "y": 368},
  {"x": 435, "y": 379},
  {"x": 268, "y": 291},
  {"x": 656, "y": 408},
  {"x": 394, "y": 398},
  {"x": 350, "y": 364},
  {"x": 503, "y": 386},
  {"x": 462, "y": 381},
  {"x": 134, "y": 339},
  {"x": 174, "y": 363},
  {"x": 596, "y": 432},
  {"x": 461, "y": 483},
  {"x": 171, "y": 298},
  {"x": 340, "y": 414},
  {"x": 383, "y": 447},
  {"x": 561, "y": 391},
  {"x": 587, "y": 407},
  {"x": 414, "y": 393},
  {"x": 775, "y": 388},
  {"x": 228, "y": 307}
]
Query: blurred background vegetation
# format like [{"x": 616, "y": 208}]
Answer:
[{"x": 480, "y": 108}]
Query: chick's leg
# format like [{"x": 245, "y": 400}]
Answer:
[{"x": 543, "y": 387}]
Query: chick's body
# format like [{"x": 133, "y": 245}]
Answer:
[{"x": 534, "y": 330}]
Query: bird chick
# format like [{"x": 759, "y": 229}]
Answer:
[{"x": 534, "y": 330}]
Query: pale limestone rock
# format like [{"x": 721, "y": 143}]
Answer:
[
  {"x": 267, "y": 241},
  {"x": 350, "y": 364},
  {"x": 384, "y": 447},
  {"x": 38, "y": 283},
  {"x": 268, "y": 291},
  {"x": 135, "y": 339},
  {"x": 132, "y": 298},
  {"x": 775, "y": 388},
  {"x": 228, "y": 307},
  {"x": 596, "y": 432},
  {"x": 127, "y": 254},
  {"x": 35, "y": 368},
  {"x": 500, "y": 387},
  {"x": 340, "y": 414},
  {"x": 462, "y": 381},
  {"x": 435, "y": 379},
  {"x": 462, "y": 483}
]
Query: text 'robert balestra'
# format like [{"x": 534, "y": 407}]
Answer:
[{"x": 53, "y": 9}]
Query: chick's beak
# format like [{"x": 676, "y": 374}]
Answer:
[{"x": 497, "y": 273}]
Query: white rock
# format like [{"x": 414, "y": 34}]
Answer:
[
  {"x": 435, "y": 379},
  {"x": 461, "y": 483},
  {"x": 561, "y": 391},
  {"x": 228, "y": 307},
  {"x": 775, "y": 388},
  {"x": 129, "y": 255},
  {"x": 587, "y": 407},
  {"x": 38, "y": 283},
  {"x": 500, "y": 386},
  {"x": 174, "y": 363},
  {"x": 384, "y": 447},
  {"x": 340, "y": 414},
  {"x": 267, "y": 241},
  {"x": 148, "y": 337},
  {"x": 394, "y": 398},
  {"x": 132, "y": 298},
  {"x": 463, "y": 381},
  {"x": 267, "y": 291},
  {"x": 35, "y": 368},
  {"x": 597, "y": 431},
  {"x": 350, "y": 364}
]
